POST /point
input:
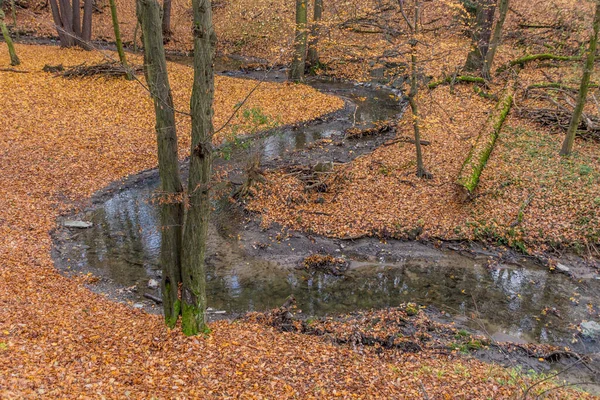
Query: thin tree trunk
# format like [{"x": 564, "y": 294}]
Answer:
[
  {"x": 171, "y": 214},
  {"x": 299, "y": 60},
  {"x": 13, "y": 9},
  {"x": 196, "y": 223},
  {"x": 86, "y": 31},
  {"x": 313, "y": 54},
  {"x": 77, "y": 18},
  {"x": 414, "y": 91},
  {"x": 166, "y": 19},
  {"x": 119, "y": 43},
  {"x": 14, "y": 60},
  {"x": 567, "y": 146},
  {"x": 496, "y": 38},
  {"x": 481, "y": 35}
]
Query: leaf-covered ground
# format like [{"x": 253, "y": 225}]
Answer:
[{"x": 61, "y": 141}]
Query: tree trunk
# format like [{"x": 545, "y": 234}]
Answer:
[
  {"x": 196, "y": 223},
  {"x": 300, "y": 36},
  {"x": 472, "y": 168},
  {"x": 119, "y": 43},
  {"x": 482, "y": 32},
  {"x": 496, "y": 38},
  {"x": 14, "y": 60},
  {"x": 65, "y": 40},
  {"x": 414, "y": 91},
  {"x": 166, "y": 19},
  {"x": 77, "y": 18},
  {"x": 86, "y": 31},
  {"x": 313, "y": 54},
  {"x": 171, "y": 213},
  {"x": 588, "y": 68}
]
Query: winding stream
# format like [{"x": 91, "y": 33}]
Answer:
[{"x": 248, "y": 269}]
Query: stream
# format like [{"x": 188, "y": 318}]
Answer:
[{"x": 253, "y": 269}]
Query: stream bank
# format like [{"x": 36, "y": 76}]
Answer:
[{"x": 250, "y": 268}]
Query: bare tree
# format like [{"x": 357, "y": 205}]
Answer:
[
  {"x": 588, "y": 68},
  {"x": 171, "y": 211},
  {"x": 414, "y": 84}
]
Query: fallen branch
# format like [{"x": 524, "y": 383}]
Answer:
[
  {"x": 459, "y": 78},
  {"x": 18, "y": 71},
  {"x": 107, "y": 69},
  {"x": 555, "y": 85},
  {"x": 536, "y": 57},
  {"x": 469, "y": 175},
  {"x": 155, "y": 299},
  {"x": 406, "y": 140}
]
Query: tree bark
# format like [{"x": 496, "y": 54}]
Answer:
[
  {"x": 482, "y": 32},
  {"x": 14, "y": 60},
  {"x": 166, "y": 19},
  {"x": 77, "y": 18},
  {"x": 588, "y": 68},
  {"x": 86, "y": 30},
  {"x": 196, "y": 223},
  {"x": 300, "y": 37},
  {"x": 171, "y": 213},
  {"x": 496, "y": 38},
  {"x": 313, "y": 54},
  {"x": 118, "y": 41}
]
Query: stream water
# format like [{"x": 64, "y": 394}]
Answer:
[{"x": 511, "y": 302}]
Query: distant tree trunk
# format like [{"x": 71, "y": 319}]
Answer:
[
  {"x": 171, "y": 212},
  {"x": 166, "y": 19},
  {"x": 86, "y": 31},
  {"x": 482, "y": 32},
  {"x": 77, "y": 18},
  {"x": 313, "y": 54},
  {"x": 300, "y": 37},
  {"x": 13, "y": 9},
  {"x": 414, "y": 90},
  {"x": 115, "y": 21},
  {"x": 14, "y": 60},
  {"x": 195, "y": 229},
  {"x": 66, "y": 15},
  {"x": 567, "y": 146},
  {"x": 496, "y": 38}
]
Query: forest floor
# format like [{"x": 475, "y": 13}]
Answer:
[
  {"x": 529, "y": 198},
  {"x": 63, "y": 140}
]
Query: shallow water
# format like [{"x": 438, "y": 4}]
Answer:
[{"x": 510, "y": 302}]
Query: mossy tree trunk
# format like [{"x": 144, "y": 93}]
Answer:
[
  {"x": 195, "y": 229},
  {"x": 300, "y": 38},
  {"x": 118, "y": 41},
  {"x": 481, "y": 34},
  {"x": 14, "y": 60},
  {"x": 477, "y": 159},
  {"x": 588, "y": 68},
  {"x": 496, "y": 38},
  {"x": 171, "y": 213},
  {"x": 313, "y": 54}
]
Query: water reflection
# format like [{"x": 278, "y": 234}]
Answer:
[{"x": 125, "y": 241}]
